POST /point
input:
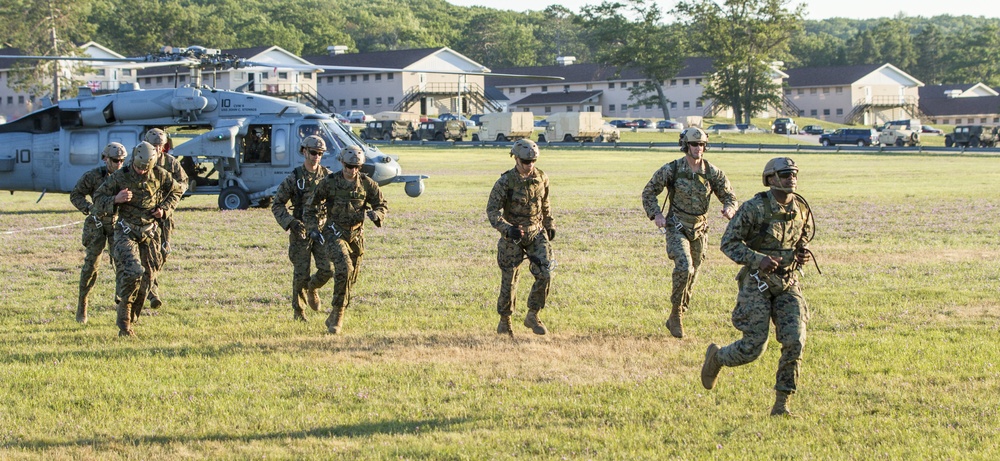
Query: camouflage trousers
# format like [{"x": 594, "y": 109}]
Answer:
[
  {"x": 345, "y": 257},
  {"x": 687, "y": 256},
  {"x": 138, "y": 262},
  {"x": 164, "y": 248},
  {"x": 536, "y": 248},
  {"x": 754, "y": 312},
  {"x": 301, "y": 252},
  {"x": 95, "y": 239}
]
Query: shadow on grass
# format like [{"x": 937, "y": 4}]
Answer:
[{"x": 360, "y": 430}]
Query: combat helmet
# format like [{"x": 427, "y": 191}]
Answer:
[
  {"x": 143, "y": 156},
  {"x": 156, "y": 137},
  {"x": 114, "y": 150},
  {"x": 352, "y": 155},
  {"x": 525, "y": 149},
  {"x": 692, "y": 134},
  {"x": 775, "y": 165},
  {"x": 313, "y": 142}
]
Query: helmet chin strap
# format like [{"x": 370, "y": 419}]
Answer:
[{"x": 786, "y": 190}]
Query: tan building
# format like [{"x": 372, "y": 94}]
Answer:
[
  {"x": 854, "y": 95},
  {"x": 410, "y": 90},
  {"x": 968, "y": 104}
]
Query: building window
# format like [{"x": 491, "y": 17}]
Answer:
[
  {"x": 635, "y": 84},
  {"x": 364, "y": 78},
  {"x": 840, "y": 89},
  {"x": 611, "y": 85},
  {"x": 840, "y": 111},
  {"x": 378, "y": 101},
  {"x": 149, "y": 80},
  {"x": 282, "y": 75},
  {"x": 982, "y": 120},
  {"x": 391, "y": 100},
  {"x": 673, "y": 82},
  {"x": 590, "y": 86},
  {"x": 624, "y": 107},
  {"x": 342, "y": 79},
  {"x": 170, "y": 79},
  {"x": 569, "y": 108},
  {"x": 10, "y": 100},
  {"x": 788, "y": 91},
  {"x": 802, "y": 113},
  {"x": 826, "y": 112},
  {"x": 698, "y": 103},
  {"x": 812, "y": 90},
  {"x": 524, "y": 90},
  {"x": 565, "y": 87},
  {"x": 799, "y": 91},
  {"x": 611, "y": 107},
  {"x": 307, "y": 75},
  {"x": 697, "y": 81},
  {"x": 945, "y": 122},
  {"x": 812, "y": 112},
  {"x": 20, "y": 99},
  {"x": 687, "y": 104},
  {"x": 264, "y": 76},
  {"x": 510, "y": 91},
  {"x": 826, "y": 91},
  {"x": 126, "y": 72},
  {"x": 673, "y": 104},
  {"x": 366, "y": 102},
  {"x": 354, "y": 78},
  {"x": 101, "y": 72},
  {"x": 996, "y": 119},
  {"x": 159, "y": 80},
  {"x": 182, "y": 79},
  {"x": 378, "y": 77},
  {"x": 545, "y": 89},
  {"x": 649, "y": 106},
  {"x": 329, "y": 79},
  {"x": 686, "y": 81},
  {"x": 343, "y": 102},
  {"x": 548, "y": 109},
  {"x": 354, "y": 102},
  {"x": 389, "y": 76}
]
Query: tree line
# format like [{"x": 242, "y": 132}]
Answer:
[{"x": 742, "y": 36}]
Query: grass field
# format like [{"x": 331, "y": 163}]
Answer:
[{"x": 901, "y": 360}]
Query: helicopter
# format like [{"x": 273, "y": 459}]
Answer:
[{"x": 238, "y": 146}]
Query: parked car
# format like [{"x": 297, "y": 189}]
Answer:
[
  {"x": 906, "y": 123},
  {"x": 475, "y": 119},
  {"x": 439, "y": 130},
  {"x": 541, "y": 123},
  {"x": 357, "y": 116},
  {"x": 388, "y": 130},
  {"x": 669, "y": 125},
  {"x": 813, "y": 129},
  {"x": 731, "y": 127},
  {"x": 639, "y": 123},
  {"x": 784, "y": 125},
  {"x": 461, "y": 118},
  {"x": 929, "y": 129},
  {"x": 340, "y": 118},
  {"x": 618, "y": 123},
  {"x": 971, "y": 136},
  {"x": 856, "y": 136},
  {"x": 750, "y": 128},
  {"x": 899, "y": 136}
]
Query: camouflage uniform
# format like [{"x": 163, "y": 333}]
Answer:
[
  {"x": 296, "y": 188},
  {"x": 343, "y": 204},
  {"x": 97, "y": 233},
  {"x": 523, "y": 203},
  {"x": 764, "y": 227},
  {"x": 173, "y": 166},
  {"x": 137, "y": 250},
  {"x": 689, "y": 194}
]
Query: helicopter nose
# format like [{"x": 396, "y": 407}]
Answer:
[{"x": 385, "y": 169}]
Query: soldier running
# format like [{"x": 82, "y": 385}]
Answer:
[{"x": 158, "y": 139}]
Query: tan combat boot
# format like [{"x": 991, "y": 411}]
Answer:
[
  {"x": 124, "y": 319},
  {"x": 81, "y": 310},
  {"x": 312, "y": 297},
  {"x": 674, "y": 323},
  {"x": 335, "y": 320},
  {"x": 781, "y": 404},
  {"x": 503, "y": 328},
  {"x": 710, "y": 369},
  {"x": 532, "y": 321},
  {"x": 300, "y": 316}
]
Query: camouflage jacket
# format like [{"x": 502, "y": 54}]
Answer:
[
  {"x": 517, "y": 201},
  {"x": 343, "y": 202},
  {"x": 173, "y": 166},
  {"x": 689, "y": 193},
  {"x": 764, "y": 227},
  {"x": 87, "y": 185},
  {"x": 296, "y": 188},
  {"x": 157, "y": 189}
]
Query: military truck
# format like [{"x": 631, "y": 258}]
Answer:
[
  {"x": 505, "y": 126},
  {"x": 574, "y": 127},
  {"x": 437, "y": 130},
  {"x": 389, "y": 125},
  {"x": 899, "y": 135},
  {"x": 971, "y": 136}
]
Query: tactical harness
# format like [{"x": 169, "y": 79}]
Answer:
[
  {"x": 675, "y": 174},
  {"x": 772, "y": 216}
]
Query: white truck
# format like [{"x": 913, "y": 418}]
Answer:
[
  {"x": 505, "y": 126},
  {"x": 575, "y": 127}
]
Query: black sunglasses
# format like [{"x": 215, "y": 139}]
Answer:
[
  {"x": 317, "y": 153},
  {"x": 351, "y": 167},
  {"x": 788, "y": 174},
  {"x": 527, "y": 161},
  {"x": 116, "y": 160},
  {"x": 700, "y": 144}
]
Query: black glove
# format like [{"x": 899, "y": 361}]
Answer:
[
  {"x": 317, "y": 237},
  {"x": 374, "y": 217},
  {"x": 514, "y": 233},
  {"x": 551, "y": 233},
  {"x": 298, "y": 227}
]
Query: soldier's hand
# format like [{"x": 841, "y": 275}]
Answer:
[
  {"x": 374, "y": 217},
  {"x": 514, "y": 233},
  {"x": 660, "y": 221},
  {"x": 157, "y": 213},
  {"x": 803, "y": 256},
  {"x": 123, "y": 196},
  {"x": 769, "y": 264},
  {"x": 317, "y": 237},
  {"x": 297, "y": 227},
  {"x": 728, "y": 212},
  {"x": 551, "y": 233}
]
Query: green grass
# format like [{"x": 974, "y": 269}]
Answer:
[{"x": 900, "y": 362}]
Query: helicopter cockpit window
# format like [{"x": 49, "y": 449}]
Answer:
[
  {"x": 309, "y": 129},
  {"x": 84, "y": 148},
  {"x": 257, "y": 144}
]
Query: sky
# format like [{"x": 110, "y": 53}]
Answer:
[{"x": 815, "y": 9}]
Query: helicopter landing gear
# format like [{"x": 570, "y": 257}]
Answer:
[{"x": 233, "y": 198}]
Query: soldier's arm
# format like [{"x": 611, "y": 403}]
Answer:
[
  {"x": 377, "y": 202},
  {"x": 279, "y": 206},
  {"x": 495, "y": 206},
  {"x": 172, "y": 192},
  {"x": 104, "y": 198},
  {"x": 741, "y": 228},
  {"x": 723, "y": 190},
  {"x": 546, "y": 206},
  {"x": 78, "y": 197},
  {"x": 652, "y": 190},
  {"x": 807, "y": 226},
  {"x": 314, "y": 204}
]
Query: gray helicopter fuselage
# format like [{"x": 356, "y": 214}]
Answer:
[{"x": 49, "y": 149}]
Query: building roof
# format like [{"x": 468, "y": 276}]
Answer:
[
  {"x": 562, "y": 97},
  {"x": 962, "y": 90},
  {"x": 396, "y": 59},
  {"x": 829, "y": 76},
  {"x": 7, "y": 63},
  {"x": 495, "y": 94},
  {"x": 589, "y": 72},
  {"x": 941, "y": 107}
]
